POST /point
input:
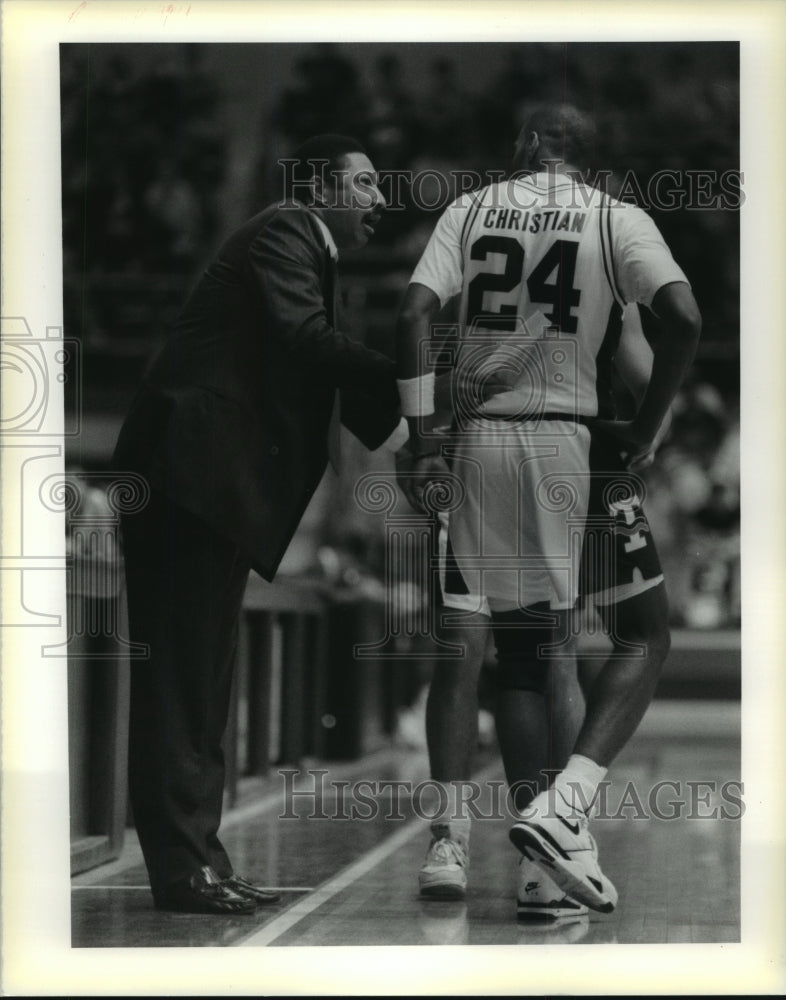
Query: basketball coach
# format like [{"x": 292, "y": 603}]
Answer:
[{"x": 232, "y": 429}]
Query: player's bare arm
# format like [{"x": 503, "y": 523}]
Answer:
[
  {"x": 676, "y": 308},
  {"x": 634, "y": 357},
  {"x": 633, "y": 362}
]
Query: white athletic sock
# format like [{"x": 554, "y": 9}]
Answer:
[
  {"x": 578, "y": 783},
  {"x": 453, "y": 821}
]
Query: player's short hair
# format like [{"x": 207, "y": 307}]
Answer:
[
  {"x": 565, "y": 133},
  {"x": 319, "y": 157}
]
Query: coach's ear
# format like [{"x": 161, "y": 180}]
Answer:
[
  {"x": 324, "y": 188},
  {"x": 317, "y": 191}
]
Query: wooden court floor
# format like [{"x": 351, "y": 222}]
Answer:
[{"x": 671, "y": 849}]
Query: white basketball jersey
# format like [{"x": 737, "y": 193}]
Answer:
[{"x": 544, "y": 266}]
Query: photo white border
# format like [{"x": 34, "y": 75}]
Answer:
[{"x": 36, "y": 955}]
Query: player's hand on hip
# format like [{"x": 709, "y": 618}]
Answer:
[
  {"x": 643, "y": 461},
  {"x": 637, "y": 451}
]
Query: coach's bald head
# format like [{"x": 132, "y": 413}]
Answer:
[{"x": 556, "y": 132}]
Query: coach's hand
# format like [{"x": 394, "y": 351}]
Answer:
[
  {"x": 404, "y": 474},
  {"x": 472, "y": 389},
  {"x": 426, "y": 470}
]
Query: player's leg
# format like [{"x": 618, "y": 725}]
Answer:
[
  {"x": 621, "y": 572},
  {"x": 452, "y": 734},
  {"x": 539, "y": 706},
  {"x": 452, "y": 706},
  {"x": 526, "y": 497},
  {"x": 623, "y": 690},
  {"x": 538, "y": 730},
  {"x": 452, "y": 726},
  {"x": 616, "y": 704},
  {"x": 565, "y": 705},
  {"x": 539, "y": 709},
  {"x": 620, "y": 567}
]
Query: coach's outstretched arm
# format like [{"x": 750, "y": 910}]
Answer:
[
  {"x": 414, "y": 373},
  {"x": 676, "y": 308},
  {"x": 416, "y": 382}
]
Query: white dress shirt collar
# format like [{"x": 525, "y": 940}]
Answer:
[{"x": 330, "y": 243}]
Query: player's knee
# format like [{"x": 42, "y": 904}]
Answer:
[
  {"x": 653, "y": 635},
  {"x": 462, "y": 671},
  {"x": 523, "y": 661},
  {"x": 643, "y": 621},
  {"x": 562, "y": 672}
]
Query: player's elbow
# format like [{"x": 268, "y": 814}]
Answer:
[
  {"x": 677, "y": 308},
  {"x": 686, "y": 331},
  {"x": 690, "y": 320},
  {"x": 410, "y": 316},
  {"x": 419, "y": 305}
]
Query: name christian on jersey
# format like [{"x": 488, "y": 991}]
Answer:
[{"x": 534, "y": 222}]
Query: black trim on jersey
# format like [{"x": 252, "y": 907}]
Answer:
[
  {"x": 606, "y": 252},
  {"x": 468, "y": 222},
  {"x": 604, "y": 362},
  {"x": 620, "y": 296}
]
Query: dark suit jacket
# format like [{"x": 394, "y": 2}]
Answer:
[{"x": 232, "y": 419}]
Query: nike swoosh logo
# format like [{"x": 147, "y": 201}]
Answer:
[{"x": 573, "y": 827}]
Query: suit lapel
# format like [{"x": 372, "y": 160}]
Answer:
[
  {"x": 332, "y": 293},
  {"x": 332, "y": 299}
]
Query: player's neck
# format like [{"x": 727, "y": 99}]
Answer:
[{"x": 558, "y": 171}]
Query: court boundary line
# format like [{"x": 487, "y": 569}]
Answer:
[
  {"x": 131, "y": 854},
  {"x": 278, "y": 926}
]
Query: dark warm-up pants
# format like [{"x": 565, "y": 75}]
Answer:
[{"x": 185, "y": 589}]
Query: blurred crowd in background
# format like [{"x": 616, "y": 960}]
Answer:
[{"x": 154, "y": 149}]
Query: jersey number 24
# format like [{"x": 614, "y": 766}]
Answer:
[{"x": 559, "y": 294}]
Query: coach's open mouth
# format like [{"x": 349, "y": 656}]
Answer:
[{"x": 371, "y": 222}]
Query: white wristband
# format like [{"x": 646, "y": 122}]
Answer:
[{"x": 417, "y": 395}]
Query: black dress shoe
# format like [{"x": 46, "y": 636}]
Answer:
[
  {"x": 203, "y": 892},
  {"x": 244, "y": 888}
]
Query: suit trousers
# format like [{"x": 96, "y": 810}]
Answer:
[{"x": 185, "y": 585}]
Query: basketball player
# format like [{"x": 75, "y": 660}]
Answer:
[
  {"x": 451, "y": 722},
  {"x": 544, "y": 265}
]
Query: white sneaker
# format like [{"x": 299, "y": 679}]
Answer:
[
  {"x": 540, "y": 898},
  {"x": 567, "y": 930},
  {"x": 555, "y": 836},
  {"x": 444, "y": 872}
]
